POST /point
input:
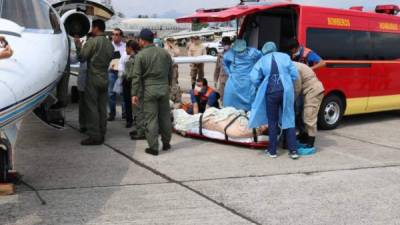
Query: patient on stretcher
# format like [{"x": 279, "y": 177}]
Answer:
[{"x": 223, "y": 124}]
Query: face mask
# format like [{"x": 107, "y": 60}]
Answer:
[
  {"x": 197, "y": 88},
  {"x": 227, "y": 47},
  {"x": 203, "y": 90}
]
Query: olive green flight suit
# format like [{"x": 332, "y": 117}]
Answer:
[
  {"x": 97, "y": 52},
  {"x": 312, "y": 90},
  {"x": 137, "y": 110},
  {"x": 153, "y": 70}
]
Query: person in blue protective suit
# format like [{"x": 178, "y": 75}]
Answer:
[
  {"x": 274, "y": 75},
  {"x": 238, "y": 63}
]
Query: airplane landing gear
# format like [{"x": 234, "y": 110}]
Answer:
[{"x": 5, "y": 149}]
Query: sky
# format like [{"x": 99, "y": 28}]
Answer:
[{"x": 174, "y": 8}]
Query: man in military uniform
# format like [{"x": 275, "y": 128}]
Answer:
[
  {"x": 132, "y": 49},
  {"x": 174, "y": 51},
  {"x": 97, "y": 51},
  {"x": 153, "y": 71},
  {"x": 196, "y": 48},
  {"x": 311, "y": 91},
  {"x": 220, "y": 76}
]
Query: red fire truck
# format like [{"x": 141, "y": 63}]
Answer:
[{"x": 362, "y": 49}]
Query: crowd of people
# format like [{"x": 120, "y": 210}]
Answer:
[{"x": 279, "y": 89}]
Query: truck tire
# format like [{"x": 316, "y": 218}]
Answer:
[
  {"x": 331, "y": 112},
  {"x": 213, "y": 52}
]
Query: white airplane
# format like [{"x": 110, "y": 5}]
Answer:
[{"x": 38, "y": 34}]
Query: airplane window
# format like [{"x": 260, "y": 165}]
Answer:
[{"x": 31, "y": 14}]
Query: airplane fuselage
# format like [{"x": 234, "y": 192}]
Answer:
[{"x": 29, "y": 76}]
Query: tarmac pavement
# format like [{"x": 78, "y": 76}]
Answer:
[{"x": 353, "y": 179}]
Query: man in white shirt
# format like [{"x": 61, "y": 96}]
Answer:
[{"x": 119, "y": 52}]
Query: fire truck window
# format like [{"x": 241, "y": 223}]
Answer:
[
  {"x": 386, "y": 46},
  {"x": 331, "y": 44},
  {"x": 362, "y": 45}
]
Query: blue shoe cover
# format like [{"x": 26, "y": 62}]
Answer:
[
  {"x": 300, "y": 145},
  {"x": 306, "y": 151}
]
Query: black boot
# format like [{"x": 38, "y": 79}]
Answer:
[
  {"x": 310, "y": 142},
  {"x": 93, "y": 141},
  {"x": 151, "y": 151},
  {"x": 128, "y": 124},
  {"x": 302, "y": 138},
  {"x": 166, "y": 147},
  {"x": 111, "y": 117},
  {"x": 138, "y": 137}
]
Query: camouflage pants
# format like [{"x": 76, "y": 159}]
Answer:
[
  {"x": 196, "y": 71},
  {"x": 175, "y": 90},
  {"x": 221, "y": 85}
]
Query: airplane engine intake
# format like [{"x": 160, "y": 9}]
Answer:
[{"x": 76, "y": 23}]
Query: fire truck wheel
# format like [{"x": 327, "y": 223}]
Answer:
[{"x": 331, "y": 112}]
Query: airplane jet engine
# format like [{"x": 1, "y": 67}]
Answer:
[{"x": 76, "y": 23}]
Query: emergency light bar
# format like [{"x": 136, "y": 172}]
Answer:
[
  {"x": 387, "y": 9},
  {"x": 244, "y": 1},
  {"x": 358, "y": 8},
  {"x": 202, "y": 10}
]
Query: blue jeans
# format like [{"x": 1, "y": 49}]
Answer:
[
  {"x": 274, "y": 106},
  {"x": 112, "y": 96}
]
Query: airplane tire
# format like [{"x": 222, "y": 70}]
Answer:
[
  {"x": 3, "y": 165},
  {"x": 74, "y": 94}
]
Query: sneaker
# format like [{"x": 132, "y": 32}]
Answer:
[
  {"x": 294, "y": 155},
  {"x": 271, "y": 155}
]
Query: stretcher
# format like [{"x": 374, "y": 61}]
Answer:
[
  {"x": 261, "y": 144},
  {"x": 251, "y": 138}
]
